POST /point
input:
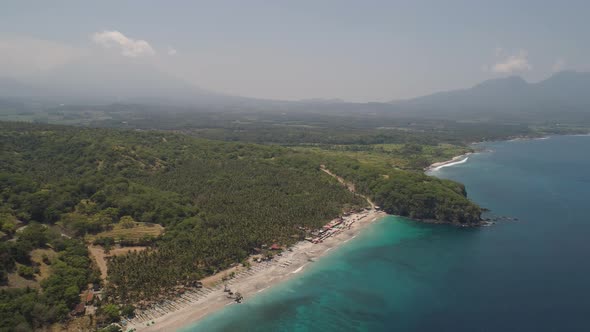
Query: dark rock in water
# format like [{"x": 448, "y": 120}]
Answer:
[{"x": 499, "y": 218}]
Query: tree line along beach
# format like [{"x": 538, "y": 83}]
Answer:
[{"x": 248, "y": 281}]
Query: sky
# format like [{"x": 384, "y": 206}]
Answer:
[{"x": 351, "y": 50}]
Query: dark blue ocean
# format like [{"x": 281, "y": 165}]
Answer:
[{"x": 399, "y": 275}]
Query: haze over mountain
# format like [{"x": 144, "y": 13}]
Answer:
[
  {"x": 565, "y": 94},
  {"x": 87, "y": 80},
  {"x": 566, "y": 91}
]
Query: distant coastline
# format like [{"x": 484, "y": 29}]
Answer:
[{"x": 462, "y": 158}]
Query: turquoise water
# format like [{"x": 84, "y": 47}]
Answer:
[{"x": 400, "y": 275}]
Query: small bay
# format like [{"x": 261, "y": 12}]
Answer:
[{"x": 528, "y": 274}]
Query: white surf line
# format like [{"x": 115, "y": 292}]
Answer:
[
  {"x": 263, "y": 289},
  {"x": 451, "y": 164},
  {"x": 298, "y": 270}
]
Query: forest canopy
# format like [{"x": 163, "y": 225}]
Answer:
[{"x": 216, "y": 201}]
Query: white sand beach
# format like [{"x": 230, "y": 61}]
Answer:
[
  {"x": 194, "y": 305},
  {"x": 454, "y": 161}
]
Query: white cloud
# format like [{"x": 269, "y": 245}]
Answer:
[
  {"x": 172, "y": 51},
  {"x": 559, "y": 65},
  {"x": 129, "y": 47},
  {"x": 512, "y": 63}
]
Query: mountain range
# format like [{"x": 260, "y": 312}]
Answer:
[
  {"x": 565, "y": 94},
  {"x": 566, "y": 91}
]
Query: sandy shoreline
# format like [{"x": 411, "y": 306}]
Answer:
[
  {"x": 454, "y": 160},
  {"x": 192, "y": 307}
]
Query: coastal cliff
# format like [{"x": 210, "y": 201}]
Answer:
[{"x": 411, "y": 194}]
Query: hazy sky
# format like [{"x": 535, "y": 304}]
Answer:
[{"x": 354, "y": 50}]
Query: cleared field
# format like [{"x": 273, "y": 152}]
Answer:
[
  {"x": 121, "y": 232},
  {"x": 17, "y": 281},
  {"x": 138, "y": 231},
  {"x": 37, "y": 257}
]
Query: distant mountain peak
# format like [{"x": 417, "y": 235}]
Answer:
[
  {"x": 322, "y": 100},
  {"x": 569, "y": 75},
  {"x": 511, "y": 97},
  {"x": 508, "y": 82}
]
